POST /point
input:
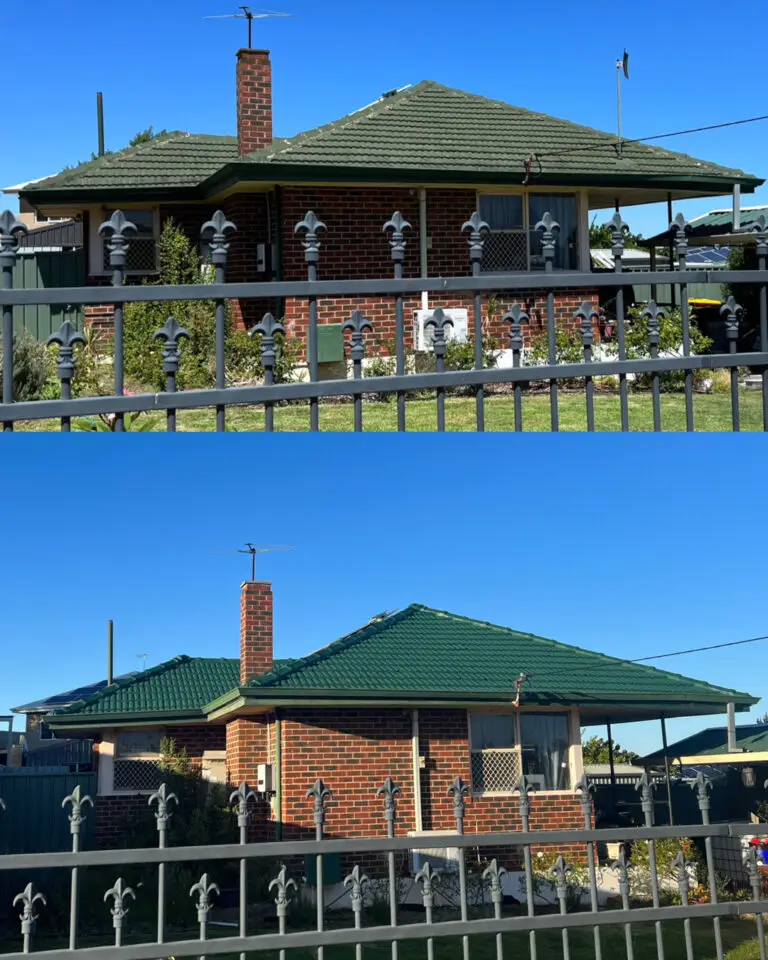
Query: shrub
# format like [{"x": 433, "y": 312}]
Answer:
[
  {"x": 31, "y": 366},
  {"x": 670, "y": 343},
  {"x": 568, "y": 347}
]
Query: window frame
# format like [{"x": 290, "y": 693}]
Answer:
[
  {"x": 574, "y": 763},
  {"x": 98, "y": 243}
]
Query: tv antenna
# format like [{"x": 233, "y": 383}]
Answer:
[
  {"x": 143, "y": 658},
  {"x": 249, "y": 15},
  {"x": 622, "y": 66},
  {"x": 253, "y": 549}
]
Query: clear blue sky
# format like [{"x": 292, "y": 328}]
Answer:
[
  {"x": 162, "y": 64},
  {"x": 627, "y": 545}
]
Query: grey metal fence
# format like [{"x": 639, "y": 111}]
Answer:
[
  {"x": 486, "y": 914},
  {"x": 405, "y": 379}
]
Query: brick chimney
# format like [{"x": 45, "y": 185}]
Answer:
[
  {"x": 254, "y": 100},
  {"x": 255, "y": 630}
]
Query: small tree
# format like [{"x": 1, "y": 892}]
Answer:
[
  {"x": 601, "y": 238},
  {"x": 32, "y": 366},
  {"x": 596, "y": 750}
]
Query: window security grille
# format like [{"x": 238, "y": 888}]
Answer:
[
  {"x": 140, "y": 258},
  {"x": 137, "y": 775},
  {"x": 495, "y": 771},
  {"x": 505, "y": 250}
]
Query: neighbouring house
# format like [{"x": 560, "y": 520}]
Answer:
[
  {"x": 711, "y": 747},
  {"x": 420, "y": 695},
  {"x": 434, "y": 153}
]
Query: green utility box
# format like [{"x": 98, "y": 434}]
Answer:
[
  {"x": 331, "y": 869},
  {"x": 330, "y": 343}
]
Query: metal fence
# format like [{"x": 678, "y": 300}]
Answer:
[
  {"x": 405, "y": 378},
  {"x": 487, "y": 915}
]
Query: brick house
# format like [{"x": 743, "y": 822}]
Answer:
[
  {"x": 420, "y": 695},
  {"x": 434, "y": 153}
]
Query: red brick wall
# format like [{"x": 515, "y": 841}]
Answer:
[{"x": 254, "y": 100}]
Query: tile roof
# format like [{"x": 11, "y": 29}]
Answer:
[
  {"x": 425, "y": 650},
  {"x": 427, "y": 127},
  {"x": 78, "y": 694},
  {"x": 750, "y": 738}
]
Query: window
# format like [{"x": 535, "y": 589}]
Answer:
[
  {"x": 514, "y": 244},
  {"x": 142, "y": 245},
  {"x": 45, "y": 731},
  {"x": 503, "y": 746},
  {"x": 137, "y": 758}
]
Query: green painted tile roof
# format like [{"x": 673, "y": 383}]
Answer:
[
  {"x": 425, "y": 650},
  {"x": 723, "y": 219},
  {"x": 427, "y": 127},
  {"x": 750, "y": 738}
]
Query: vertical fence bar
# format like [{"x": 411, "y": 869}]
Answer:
[
  {"x": 645, "y": 786},
  {"x": 76, "y": 819},
  {"x": 170, "y": 334},
  {"x": 439, "y": 320},
  {"x": 204, "y": 889},
  {"x": 459, "y": 790},
  {"x": 618, "y": 227},
  {"x": 585, "y": 789},
  {"x": 756, "y": 883},
  {"x": 116, "y": 230},
  {"x": 477, "y": 227},
  {"x": 702, "y": 786},
  {"x": 560, "y": 872},
  {"x": 119, "y": 893},
  {"x": 11, "y": 230},
  {"x": 622, "y": 869},
  {"x": 428, "y": 878},
  {"x": 162, "y": 815},
  {"x": 678, "y": 228},
  {"x": 319, "y": 794},
  {"x": 28, "y": 899},
  {"x": 681, "y": 869},
  {"x": 548, "y": 226},
  {"x": 355, "y": 881},
  {"x": 493, "y": 873},
  {"x": 398, "y": 225},
  {"x": 389, "y": 790},
  {"x": 654, "y": 313},
  {"x": 66, "y": 337},
  {"x": 268, "y": 329},
  {"x": 525, "y": 789},
  {"x": 311, "y": 243},
  {"x": 243, "y": 796},
  {"x": 762, "y": 257},
  {"x": 587, "y": 314},
  {"x": 515, "y": 317},
  {"x": 216, "y": 231},
  {"x": 732, "y": 313},
  {"x": 357, "y": 325},
  {"x": 283, "y": 884}
]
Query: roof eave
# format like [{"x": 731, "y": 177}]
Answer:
[{"x": 84, "y": 721}]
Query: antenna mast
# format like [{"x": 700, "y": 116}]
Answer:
[
  {"x": 249, "y": 15},
  {"x": 622, "y": 66}
]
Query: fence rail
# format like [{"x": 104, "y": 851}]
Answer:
[
  {"x": 120, "y": 898},
  {"x": 585, "y": 320}
]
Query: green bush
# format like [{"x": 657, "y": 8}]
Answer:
[
  {"x": 568, "y": 347},
  {"x": 31, "y": 366},
  {"x": 670, "y": 342}
]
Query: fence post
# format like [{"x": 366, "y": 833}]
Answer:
[
  {"x": 477, "y": 228},
  {"x": 355, "y": 881},
  {"x": 119, "y": 893},
  {"x": 389, "y": 790},
  {"x": 560, "y": 872},
  {"x": 268, "y": 330},
  {"x": 217, "y": 230},
  {"x": 702, "y": 785},
  {"x": 28, "y": 899},
  {"x": 243, "y": 796},
  {"x": 645, "y": 786},
  {"x": 310, "y": 225},
  {"x": 525, "y": 788},
  {"x": 357, "y": 324},
  {"x": 586, "y": 789},
  {"x": 681, "y": 869},
  {"x": 171, "y": 334},
  {"x": 203, "y": 888},
  {"x": 439, "y": 320},
  {"x": 622, "y": 869},
  {"x": 163, "y": 814},
  {"x": 459, "y": 790},
  {"x": 756, "y": 883},
  {"x": 66, "y": 337},
  {"x": 319, "y": 794},
  {"x": 679, "y": 227},
  {"x": 618, "y": 227},
  {"x": 11, "y": 230},
  {"x": 494, "y": 873},
  {"x": 761, "y": 248},
  {"x": 283, "y": 884},
  {"x": 548, "y": 225},
  {"x": 587, "y": 313},
  {"x": 76, "y": 819},
  {"x": 116, "y": 229},
  {"x": 732, "y": 312},
  {"x": 654, "y": 314},
  {"x": 516, "y": 317},
  {"x": 428, "y": 878},
  {"x": 398, "y": 225}
]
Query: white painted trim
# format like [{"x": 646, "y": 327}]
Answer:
[
  {"x": 423, "y": 243},
  {"x": 418, "y": 826},
  {"x": 575, "y": 754},
  {"x": 105, "y": 765}
]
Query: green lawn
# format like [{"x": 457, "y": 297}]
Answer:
[{"x": 711, "y": 412}]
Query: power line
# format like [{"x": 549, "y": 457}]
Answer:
[{"x": 714, "y": 646}]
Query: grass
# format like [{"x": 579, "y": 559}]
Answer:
[{"x": 712, "y": 412}]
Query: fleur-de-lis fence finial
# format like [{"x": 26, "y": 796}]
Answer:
[
  {"x": 243, "y": 797},
  {"x": 679, "y": 228},
  {"x": 428, "y": 878},
  {"x": 311, "y": 242},
  {"x": 217, "y": 232},
  {"x": 389, "y": 790},
  {"x": 760, "y": 228},
  {"x": 163, "y": 800},
  {"x": 703, "y": 786},
  {"x": 655, "y": 314},
  {"x": 548, "y": 225},
  {"x": 752, "y": 866},
  {"x": 398, "y": 225},
  {"x": 645, "y": 787},
  {"x": 28, "y": 898},
  {"x": 680, "y": 865},
  {"x": 116, "y": 230},
  {"x": 67, "y": 337},
  {"x": 76, "y": 817},
  {"x": 268, "y": 329},
  {"x": 493, "y": 873},
  {"x": 11, "y": 232},
  {"x": 587, "y": 314},
  {"x": 477, "y": 228},
  {"x": 440, "y": 321},
  {"x": 618, "y": 230},
  {"x": 516, "y": 317},
  {"x": 356, "y": 881},
  {"x": 585, "y": 788},
  {"x": 732, "y": 312},
  {"x": 283, "y": 884},
  {"x": 171, "y": 334},
  {"x": 319, "y": 794},
  {"x": 621, "y": 866},
  {"x": 560, "y": 872},
  {"x": 119, "y": 893},
  {"x": 204, "y": 888},
  {"x": 525, "y": 788},
  {"x": 357, "y": 325},
  {"x": 459, "y": 790}
]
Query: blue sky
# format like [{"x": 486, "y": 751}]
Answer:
[
  {"x": 162, "y": 64},
  {"x": 630, "y": 546}
]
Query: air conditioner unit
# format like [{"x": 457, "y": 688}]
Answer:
[
  {"x": 442, "y": 858},
  {"x": 425, "y": 334}
]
